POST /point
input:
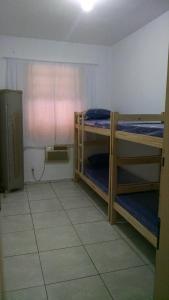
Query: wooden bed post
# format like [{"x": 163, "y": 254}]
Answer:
[
  {"x": 113, "y": 168},
  {"x": 82, "y": 143},
  {"x": 75, "y": 158},
  {"x": 161, "y": 291},
  {"x": 110, "y": 169}
]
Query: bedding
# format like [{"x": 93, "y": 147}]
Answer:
[
  {"x": 99, "y": 160},
  {"x": 150, "y": 129},
  {"x": 144, "y": 207},
  {"x": 97, "y": 114},
  {"x": 100, "y": 176}
]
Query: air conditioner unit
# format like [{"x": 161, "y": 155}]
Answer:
[{"x": 57, "y": 153}]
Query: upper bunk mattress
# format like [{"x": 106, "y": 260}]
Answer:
[
  {"x": 144, "y": 207},
  {"x": 150, "y": 129}
]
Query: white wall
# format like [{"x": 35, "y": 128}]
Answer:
[
  {"x": 139, "y": 68},
  {"x": 2, "y": 72},
  {"x": 59, "y": 52},
  {"x": 138, "y": 79}
]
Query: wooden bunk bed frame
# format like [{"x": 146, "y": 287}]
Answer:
[
  {"x": 152, "y": 141},
  {"x": 79, "y": 131}
]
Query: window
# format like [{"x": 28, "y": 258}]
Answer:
[{"x": 52, "y": 92}]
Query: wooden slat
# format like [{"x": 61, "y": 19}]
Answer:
[
  {"x": 82, "y": 142},
  {"x": 138, "y": 160},
  {"x": 141, "y": 117},
  {"x": 75, "y": 158},
  {"x": 94, "y": 186},
  {"x": 114, "y": 169},
  {"x": 110, "y": 168},
  {"x": 136, "y": 224},
  {"x": 137, "y": 187},
  {"x": 78, "y": 142},
  {"x": 152, "y": 141},
  {"x": 96, "y": 142},
  {"x": 162, "y": 259},
  {"x": 96, "y": 130}
]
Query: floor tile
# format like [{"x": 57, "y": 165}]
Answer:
[
  {"x": 45, "y": 205},
  {"x": 35, "y": 293},
  {"x": 17, "y": 243},
  {"x": 50, "y": 219},
  {"x": 16, "y": 223},
  {"x": 75, "y": 202},
  {"x": 90, "y": 288},
  {"x": 131, "y": 284},
  {"x": 37, "y": 186},
  {"x": 66, "y": 190},
  {"x": 96, "y": 232},
  {"x": 18, "y": 195},
  {"x": 137, "y": 242},
  {"x": 84, "y": 215},
  {"x": 41, "y": 193},
  {"x": 22, "y": 272},
  {"x": 15, "y": 207},
  {"x": 66, "y": 264},
  {"x": 64, "y": 183},
  {"x": 113, "y": 255},
  {"x": 56, "y": 238},
  {"x": 70, "y": 191}
]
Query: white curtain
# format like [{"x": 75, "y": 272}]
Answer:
[{"x": 52, "y": 92}]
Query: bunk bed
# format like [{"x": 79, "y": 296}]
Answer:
[
  {"x": 139, "y": 208},
  {"x": 97, "y": 174}
]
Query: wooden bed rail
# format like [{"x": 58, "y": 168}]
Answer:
[
  {"x": 137, "y": 160},
  {"x": 141, "y": 117},
  {"x": 137, "y": 187}
]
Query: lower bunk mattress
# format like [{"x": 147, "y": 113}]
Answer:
[
  {"x": 144, "y": 207},
  {"x": 100, "y": 176}
]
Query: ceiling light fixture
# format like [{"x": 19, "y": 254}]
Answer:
[{"x": 87, "y": 5}]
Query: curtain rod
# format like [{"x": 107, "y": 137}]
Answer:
[{"x": 51, "y": 61}]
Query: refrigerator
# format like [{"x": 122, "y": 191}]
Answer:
[{"x": 11, "y": 141}]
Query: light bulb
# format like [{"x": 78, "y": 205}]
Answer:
[{"x": 87, "y": 5}]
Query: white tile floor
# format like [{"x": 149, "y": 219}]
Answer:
[{"x": 58, "y": 245}]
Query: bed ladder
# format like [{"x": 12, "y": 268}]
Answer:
[{"x": 81, "y": 143}]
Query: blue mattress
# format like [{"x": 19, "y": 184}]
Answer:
[
  {"x": 100, "y": 176},
  {"x": 144, "y": 207},
  {"x": 150, "y": 129}
]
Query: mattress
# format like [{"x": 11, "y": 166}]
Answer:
[
  {"x": 100, "y": 176},
  {"x": 150, "y": 129},
  {"x": 144, "y": 207}
]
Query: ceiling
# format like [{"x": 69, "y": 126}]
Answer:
[{"x": 63, "y": 20}]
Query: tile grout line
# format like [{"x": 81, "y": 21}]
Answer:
[
  {"x": 83, "y": 245},
  {"x": 38, "y": 250},
  {"x": 89, "y": 198},
  {"x": 132, "y": 248},
  {"x": 89, "y": 256},
  {"x": 120, "y": 237}
]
